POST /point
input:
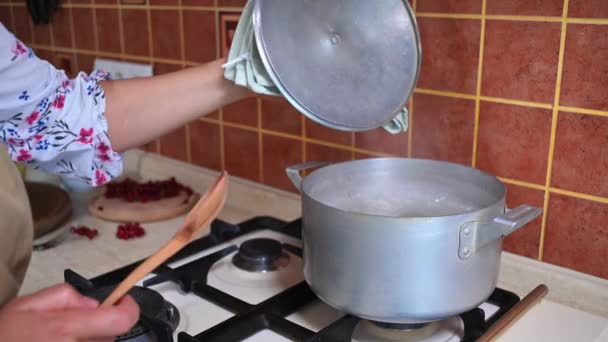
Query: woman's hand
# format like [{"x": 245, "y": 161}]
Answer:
[{"x": 60, "y": 313}]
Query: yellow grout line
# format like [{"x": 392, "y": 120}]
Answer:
[
  {"x": 448, "y": 15},
  {"x": 592, "y": 198},
  {"x": 592, "y": 21},
  {"x": 482, "y": 37},
  {"x": 522, "y": 183},
  {"x": 524, "y": 18},
  {"x": 583, "y": 111},
  {"x": 516, "y": 102},
  {"x": 558, "y": 85},
  {"x": 444, "y": 93}
]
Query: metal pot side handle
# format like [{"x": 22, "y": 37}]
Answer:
[
  {"x": 293, "y": 172},
  {"x": 475, "y": 235}
]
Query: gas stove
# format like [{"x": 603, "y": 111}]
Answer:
[{"x": 245, "y": 283}]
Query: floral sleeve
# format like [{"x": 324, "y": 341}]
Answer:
[{"x": 51, "y": 122}]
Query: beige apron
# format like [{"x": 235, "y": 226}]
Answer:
[{"x": 16, "y": 229}]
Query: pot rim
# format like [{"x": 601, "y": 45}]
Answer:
[{"x": 309, "y": 178}]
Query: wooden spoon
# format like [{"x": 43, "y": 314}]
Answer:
[{"x": 199, "y": 218}]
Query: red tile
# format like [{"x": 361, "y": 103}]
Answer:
[
  {"x": 243, "y": 112},
  {"x": 450, "y": 55},
  {"x": 42, "y": 34},
  {"x": 62, "y": 33},
  {"x": 165, "y": 68},
  {"x": 443, "y": 128},
  {"x": 205, "y": 144},
  {"x": 379, "y": 140},
  {"x": 46, "y": 55},
  {"x": 584, "y": 79},
  {"x": 322, "y": 133},
  {"x": 526, "y": 7},
  {"x": 449, "y": 6},
  {"x": 110, "y": 2},
  {"x": 22, "y": 24},
  {"x": 84, "y": 35},
  {"x": 149, "y": 147},
  {"x": 324, "y": 153},
  {"x": 580, "y": 160},
  {"x": 522, "y": 69},
  {"x": 514, "y": 141},
  {"x": 231, "y": 3},
  {"x": 6, "y": 18},
  {"x": 359, "y": 155},
  {"x": 165, "y": 2},
  {"x": 278, "y": 115},
  {"x": 588, "y": 9},
  {"x": 165, "y": 34},
  {"x": 228, "y": 22},
  {"x": 199, "y": 36},
  {"x": 135, "y": 30},
  {"x": 85, "y": 62},
  {"x": 173, "y": 145},
  {"x": 242, "y": 153},
  {"x": 108, "y": 34},
  {"x": 197, "y": 2},
  {"x": 526, "y": 240},
  {"x": 279, "y": 153},
  {"x": 577, "y": 235}
]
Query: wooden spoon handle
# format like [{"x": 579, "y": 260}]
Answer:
[{"x": 168, "y": 250}]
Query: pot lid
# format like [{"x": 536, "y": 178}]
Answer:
[{"x": 346, "y": 64}]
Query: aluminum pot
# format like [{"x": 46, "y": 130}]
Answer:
[{"x": 401, "y": 240}]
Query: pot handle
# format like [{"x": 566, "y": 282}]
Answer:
[
  {"x": 475, "y": 235},
  {"x": 293, "y": 172}
]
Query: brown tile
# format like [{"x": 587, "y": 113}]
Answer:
[
  {"x": 320, "y": 132},
  {"x": 173, "y": 145},
  {"x": 46, "y": 55},
  {"x": 242, "y": 153},
  {"x": 22, "y": 24},
  {"x": 85, "y": 62},
  {"x": 199, "y": 36},
  {"x": 84, "y": 35},
  {"x": 379, "y": 140},
  {"x": 443, "y": 128},
  {"x": 522, "y": 69},
  {"x": 81, "y": 1},
  {"x": 324, "y": 153},
  {"x": 149, "y": 147},
  {"x": 451, "y": 54},
  {"x": 205, "y": 144},
  {"x": 62, "y": 33},
  {"x": 588, "y": 9},
  {"x": 514, "y": 141},
  {"x": 359, "y": 155},
  {"x": 108, "y": 34},
  {"x": 110, "y": 2},
  {"x": 449, "y": 6},
  {"x": 165, "y": 68},
  {"x": 243, "y": 112},
  {"x": 165, "y": 34},
  {"x": 197, "y": 2},
  {"x": 6, "y": 18},
  {"x": 231, "y": 3},
  {"x": 526, "y": 240},
  {"x": 584, "y": 79},
  {"x": 135, "y": 29},
  {"x": 42, "y": 34},
  {"x": 580, "y": 160},
  {"x": 278, "y": 115},
  {"x": 228, "y": 22},
  {"x": 577, "y": 235},
  {"x": 164, "y": 2},
  {"x": 279, "y": 153},
  {"x": 526, "y": 7}
]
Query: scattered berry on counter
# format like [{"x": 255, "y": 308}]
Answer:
[
  {"x": 85, "y": 231},
  {"x": 100, "y": 208},
  {"x": 132, "y": 191},
  {"x": 129, "y": 231}
]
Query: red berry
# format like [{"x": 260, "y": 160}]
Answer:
[{"x": 85, "y": 231}]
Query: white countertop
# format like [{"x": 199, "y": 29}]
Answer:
[{"x": 576, "y": 308}]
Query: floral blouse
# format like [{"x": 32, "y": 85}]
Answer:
[{"x": 51, "y": 122}]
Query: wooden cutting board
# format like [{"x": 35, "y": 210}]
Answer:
[
  {"x": 119, "y": 210},
  {"x": 51, "y": 207}
]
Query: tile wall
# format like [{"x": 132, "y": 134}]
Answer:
[{"x": 517, "y": 88}]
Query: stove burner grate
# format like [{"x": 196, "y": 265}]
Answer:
[{"x": 260, "y": 255}]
